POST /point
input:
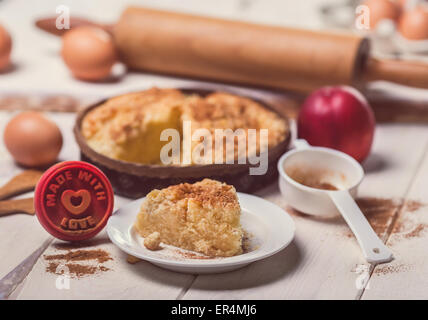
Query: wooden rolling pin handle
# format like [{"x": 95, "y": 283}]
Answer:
[{"x": 413, "y": 74}]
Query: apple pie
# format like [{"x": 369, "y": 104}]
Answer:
[
  {"x": 129, "y": 127},
  {"x": 203, "y": 217}
]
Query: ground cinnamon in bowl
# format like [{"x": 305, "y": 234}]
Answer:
[{"x": 321, "y": 185}]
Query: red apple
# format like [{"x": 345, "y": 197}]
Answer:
[{"x": 339, "y": 118}]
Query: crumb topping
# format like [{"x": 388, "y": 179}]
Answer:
[
  {"x": 134, "y": 121},
  {"x": 152, "y": 241},
  {"x": 206, "y": 191}
]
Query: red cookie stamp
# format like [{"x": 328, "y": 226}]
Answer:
[{"x": 73, "y": 200}]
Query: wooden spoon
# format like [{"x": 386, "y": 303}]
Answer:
[
  {"x": 23, "y": 182},
  {"x": 49, "y": 25},
  {"x": 17, "y": 206}
]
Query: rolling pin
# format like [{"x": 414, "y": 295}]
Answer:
[{"x": 250, "y": 54}]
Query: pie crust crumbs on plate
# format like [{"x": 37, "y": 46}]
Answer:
[{"x": 203, "y": 217}]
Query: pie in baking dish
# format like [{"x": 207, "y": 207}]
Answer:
[
  {"x": 129, "y": 127},
  {"x": 202, "y": 217}
]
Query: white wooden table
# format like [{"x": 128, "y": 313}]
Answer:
[{"x": 321, "y": 262}]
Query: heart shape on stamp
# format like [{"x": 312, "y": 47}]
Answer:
[{"x": 82, "y": 194}]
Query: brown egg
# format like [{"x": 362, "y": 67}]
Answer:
[
  {"x": 89, "y": 52},
  {"x": 33, "y": 140},
  {"x": 382, "y": 9},
  {"x": 5, "y": 48},
  {"x": 414, "y": 24}
]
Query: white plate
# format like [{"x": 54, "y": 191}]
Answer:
[{"x": 269, "y": 227}]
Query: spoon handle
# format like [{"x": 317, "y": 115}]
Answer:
[
  {"x": 301, "y": 144},
  {"x": 373, "y": 248}
]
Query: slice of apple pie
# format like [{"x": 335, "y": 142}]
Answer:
[{"x": 202, "y": 217}]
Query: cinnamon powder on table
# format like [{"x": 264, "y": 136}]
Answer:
[
  {"x": 386, "y": 269},
  {"x": 77, "y": 270},
  {"x": 417, "y": 232},
  {"x": 379, "y": 212},
  {"x": 81, "y": 255},
  {"x": 70, "y": 260},
  {"x": 408, "y": 230},
  {"x": 407, "y": 226}
]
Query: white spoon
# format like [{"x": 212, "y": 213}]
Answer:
[{"x": 340, "y": 170}]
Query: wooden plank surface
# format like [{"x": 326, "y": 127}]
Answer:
[
  {"x": 407, "y": 276},
  {"x": 318, "y": 264}
]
